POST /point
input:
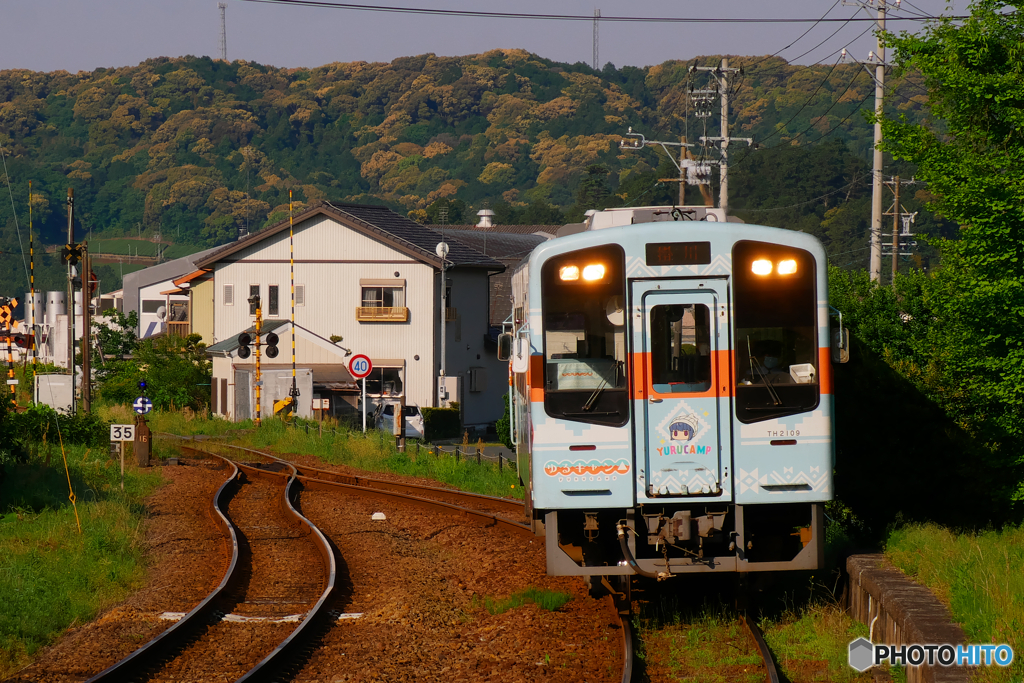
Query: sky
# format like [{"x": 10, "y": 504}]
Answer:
[{"x": 77, "y": 35}]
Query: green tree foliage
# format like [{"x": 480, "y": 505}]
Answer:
[
  {"x": 176, "y": 371},
  {"x": 194, "y": 149},
  {"x": 974, "y": 165}
]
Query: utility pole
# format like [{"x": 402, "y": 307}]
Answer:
[
  {"x": 223, "y": 32},
  {"x": 71, "y": 298},
  {"x": 86, "y": 324},
  {"x": 875, "y": 265},
  {"x": 899, "y": 216},
  {"x": 691, "y": 172},
  {"x": 597, "y": 17},
  {"x": 721, "y": 74}
]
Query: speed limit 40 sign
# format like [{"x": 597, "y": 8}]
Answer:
[
  {"x": 122, "y": 432},
  {"x": 360, "y": 366}
]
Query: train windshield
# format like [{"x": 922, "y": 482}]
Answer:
[
  {"x": 583, "y": 298},
  {"x": 776, "y": 331}
]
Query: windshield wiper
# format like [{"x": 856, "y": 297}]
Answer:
[
  {"x": 755, "y": 367},
  {"x": 589, "y": 405}
]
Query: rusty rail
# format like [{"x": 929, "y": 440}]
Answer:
[{"x": 184, "y": 630}]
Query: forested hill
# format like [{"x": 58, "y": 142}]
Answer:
[{"x": 194, "y": 149}]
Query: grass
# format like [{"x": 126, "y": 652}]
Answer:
[
  {"x": 51, "y": 575},
  {"x": 813, "y": 642},
  {"x": 545, "y": 599},
  {"x": 705, "y": 644},
  {"x": 979, "y": 575},
  {"x": 375, "y": 452}
]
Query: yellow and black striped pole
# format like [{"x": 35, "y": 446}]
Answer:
[
  {"x": 259, "y": 378},
  {"x": 8, "y": 313},
  {"x": 32, "y": 289},
  {"x": 291, "y": 246}
]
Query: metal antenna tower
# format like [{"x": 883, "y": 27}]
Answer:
[
  {"x": 223, "y": 32},
  {"x": 597, "y": 17}
]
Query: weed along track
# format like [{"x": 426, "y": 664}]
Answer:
[{"x": 271, "y": 601}]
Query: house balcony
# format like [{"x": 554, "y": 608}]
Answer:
[
  {"x": 179, "y": 329},
  {"x": 377, "y": 314}
]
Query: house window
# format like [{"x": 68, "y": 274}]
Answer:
[
  {"x": 387, "y": 297},
  {"x": 385, "y": 381},
  {"x": 382, "y": 301},
  {"x": 300, "y": 295},
  {"x": 272, "y": 300},
  {"x": 254, "y": 290},
  {"x": 152, "y": 305},
  {"x": 229, "y": 295}
]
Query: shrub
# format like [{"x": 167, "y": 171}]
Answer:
[{"x": 441, "y": 423}]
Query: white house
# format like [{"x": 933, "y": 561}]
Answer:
[
  {"x": 152, "y": 293},
  {"x": 372, "y": 277}
]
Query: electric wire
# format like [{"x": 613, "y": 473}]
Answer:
[
  {"x": 17, "y": 226},
  {"x": 781, "y": 128},
  {"x": 836, "y": 101},
  {"x": 568, "y": 17},
  {"x": 776, "y": 53},
  {"x": 810, "y": 201}
]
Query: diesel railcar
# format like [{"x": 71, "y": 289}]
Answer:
[{"x": 671, "y": 395}]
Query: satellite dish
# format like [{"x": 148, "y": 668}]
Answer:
[
  {"x": 161, "y": 313},
  {"x": 442, "y": 249}
]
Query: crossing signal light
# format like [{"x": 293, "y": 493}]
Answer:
[
  {"x": 272, "y": 340},
  {"x": 244, "y": 340},
  {"x": 21, "y": 341},
  {"x": 71, "y": 253}
]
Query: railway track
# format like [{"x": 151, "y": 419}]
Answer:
[
  {"x": 447, "y": 501},
  {"x": 771, "y": 673},
  {"x": 268, "y": 536}
]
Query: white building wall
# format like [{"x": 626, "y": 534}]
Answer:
[
  {"x": 149, "y": 323},
  {"x": 330, "y": 261}
]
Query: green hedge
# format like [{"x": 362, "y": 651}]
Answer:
[{"x": 441, "y": 423}]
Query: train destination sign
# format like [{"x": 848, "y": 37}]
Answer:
[{"x": 679, "y": 254}]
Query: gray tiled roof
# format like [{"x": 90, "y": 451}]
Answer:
[
  {"x": 404, "y": 234},
  {"x": 514, "y": 229},
  {"x": 498, "y": 245},
  {"x": 415, "y": 234}
]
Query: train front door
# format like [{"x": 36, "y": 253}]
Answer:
[{"x": 678, "y": 372}]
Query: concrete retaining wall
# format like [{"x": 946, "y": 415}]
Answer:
[{"x": 901, "y": 612}]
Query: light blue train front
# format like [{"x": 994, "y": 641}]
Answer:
[{"x": 674, "y": 378}]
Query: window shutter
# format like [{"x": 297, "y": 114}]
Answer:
[
  {"x": 229, "y": 295},
  {"x": 300, "y": 295}
]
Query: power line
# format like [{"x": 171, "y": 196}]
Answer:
[
  {"x": 810, "y": 201},
  {"x": 574, "y": 17},
  {"x": 776, "y": 54}
]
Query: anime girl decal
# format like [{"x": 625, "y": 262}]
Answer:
[{"x": 684, "y": 429}]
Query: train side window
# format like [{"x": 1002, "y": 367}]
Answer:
[{"x": 680, "y": 348}]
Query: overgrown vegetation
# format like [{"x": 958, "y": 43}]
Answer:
[
  {"x": 375, "y": 452},
  {"x": 52, "y": 576},
  {"x": 550, "y": 600},
  {"x": 980, "y": 575}
]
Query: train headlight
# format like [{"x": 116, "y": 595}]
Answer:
[
  {"x": 761, "y": 267},
  {"x": 569, "y": 273},
  {"x": 787, "y": 267},
  {"x": 595, "y": 271}
]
